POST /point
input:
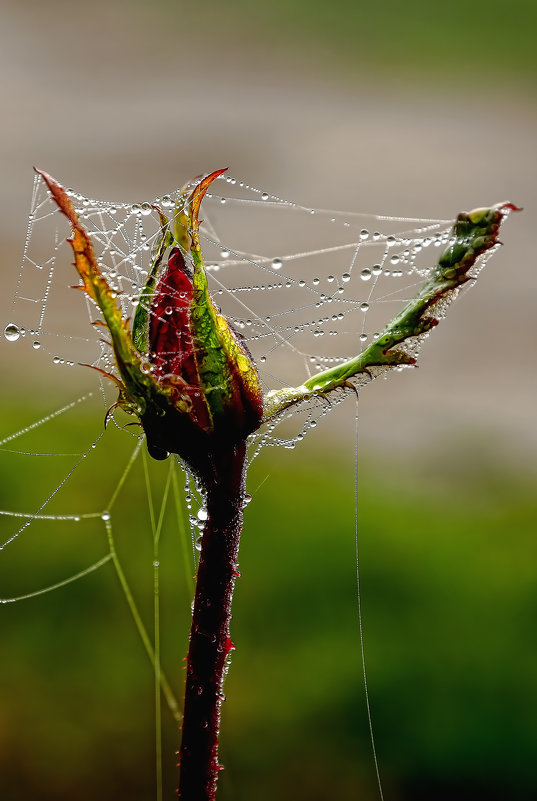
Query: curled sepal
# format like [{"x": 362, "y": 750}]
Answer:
[
  {"x": 139, "y": 391},
  {"x": 472, "y": 235}
]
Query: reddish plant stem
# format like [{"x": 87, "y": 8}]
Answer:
[{"x": 209, "y": 634}]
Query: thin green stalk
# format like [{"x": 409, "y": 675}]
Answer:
[
  {"x": 142, "y": 631},
  {"x": 156, "y": 527},
  {"x": 164, "y": 684}
]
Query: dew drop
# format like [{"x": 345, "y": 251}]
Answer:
[
  {"x": 146, "y": 209},
  {"x": 364, "y": 233},
  {"x": 265, "y": 196},
  {"x": 225, "y": 254},
  {"x": 202, "y": 514},
  {"x": 315, "y": 282},
  {"x": 105, "y": 516},
  {"x": 36, "y": 345},
  {"x": 390, "y": 240},
  {"x": 346, "y": 277},
  {"x": 363, "y": 337},
  {"x": 198, "y": 543},
  {"x": 222, "y": 200},
  {"x": 365, "y": 275},
  {"x": 56, "y": 360},
  {"x": 12, "y": 332},
  {"x": 364, "y": 307},
  {"x": 376, "y": 269},
  {"x": 276, "y": 264}
]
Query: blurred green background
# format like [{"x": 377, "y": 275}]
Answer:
[{"x": 403, "y": 109}]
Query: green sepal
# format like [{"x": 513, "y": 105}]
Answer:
[
  {"x": 226, "y": 371},
  {"x": 473, "y": 233}
]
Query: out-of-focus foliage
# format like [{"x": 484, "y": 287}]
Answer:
[
  {"x": 449, "y": 593},
  {"x": 465, "y": 44}
]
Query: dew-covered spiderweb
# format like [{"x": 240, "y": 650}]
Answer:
[{"x": 307, "y": 288}]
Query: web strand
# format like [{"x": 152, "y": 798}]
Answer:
[
  {"x": 298, "y": 283},
  {"x": 359, "y": 602}
]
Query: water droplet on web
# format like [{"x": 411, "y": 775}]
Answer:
[
  {"x": 225, "y": 254},
  {"x": 363, "y": 337},
  {"x": 136, "y": 208},
  {"x": 202, "y": 514},
  {"x": 105, "y": 516},
  {"x": 276, "y": 264},
  {"x": 346, "y": 277},
  {"x": 56, "y": 360},
  {"x": 365, "y": 275},
  {"x": 364, "y": 306},
  {"x": 246, "y": 501},
  {"x": 12, "y": 332},
  {"x": 197, "y": 544},
  {"x": 376, "y": 269},
  {"x": 364, "y": 233},
  {"x": 316, "y": 281},
  {"x": 265, "y": 196},
  {"x": 36, "y": 345},
  {"x": 146, "y": 209},
  {"x": 390, "y": 241},
  {"x": 156, "y": 563}
]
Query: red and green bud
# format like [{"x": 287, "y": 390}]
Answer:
[{"x": 184, "y": 371}]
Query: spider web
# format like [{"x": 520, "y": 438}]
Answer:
[{"x": 307, "y": 289}]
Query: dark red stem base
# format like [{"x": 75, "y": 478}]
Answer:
[{"x": 209, "y": 635}]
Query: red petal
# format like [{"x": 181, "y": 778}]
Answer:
[{"x": 170, "y": 339}]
